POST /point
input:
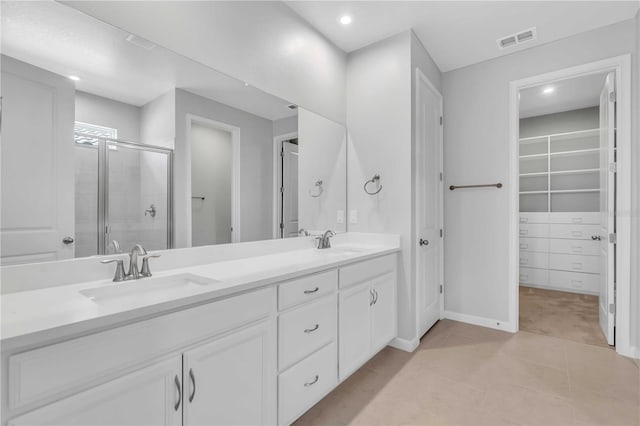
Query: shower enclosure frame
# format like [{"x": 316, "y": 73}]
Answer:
[{"x": 103, "y": 225}]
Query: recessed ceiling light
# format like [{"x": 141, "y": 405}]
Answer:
[
  {"x": 74, "y": 78},
  {"x": 345, "y": 20},
  {"x": 246, "y": 84},
  {"x": 548, "y": 90}
]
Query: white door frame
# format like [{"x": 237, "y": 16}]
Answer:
[
  {"x": 621, "y": 65},
  {"x": 235, "y": 172},
  {"x": 275, "y": 200},
  {"x": 420, "y": 76}
]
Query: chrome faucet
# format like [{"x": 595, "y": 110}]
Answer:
[
  {"x": 134, "y": 272},
  {"x": 303, "y": 232},
  {"x": 324, "y": 241}
]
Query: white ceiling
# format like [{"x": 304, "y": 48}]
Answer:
[
  {"x": 459, "y": 33},
  {"x": 65, "y": 41},
  {"x": 567, "y": 95}
]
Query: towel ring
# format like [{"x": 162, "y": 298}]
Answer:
[
  {"x": 318, "y": 189},
  {"x": 374, "y": 179}
]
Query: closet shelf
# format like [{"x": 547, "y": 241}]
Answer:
[
  {"x": 552, "y": 154},
  {"x": 559, "y": 191},
  {"x": 562, "y": 172},
  {"x": 577, "y": 132}
]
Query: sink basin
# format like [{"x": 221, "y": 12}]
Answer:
[
  {"x": 152, "y": 289},
  {"x": 344, "y": 250}
]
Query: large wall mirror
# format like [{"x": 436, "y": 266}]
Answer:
[{"x": 109, "y": 140}]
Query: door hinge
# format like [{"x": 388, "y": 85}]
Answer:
[
  {"x": 440, "y": 288},
  {"x": 282, "y": 153},
  {"x": 440, "y": 232},
  {"x": 282, "y": 226},
  {"x": 613, "y": 238},
  {"x": 612, "y": 308},
  {"x": 441, "y": 120},
  {"x": 613, "y": 167},
  {"x": 440, "y": 176},
  {"x": 612, "y": 96},
  {"x": 282, "y": 190}
]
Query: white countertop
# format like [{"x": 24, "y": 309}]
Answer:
[{"x": 45, "y": 315}]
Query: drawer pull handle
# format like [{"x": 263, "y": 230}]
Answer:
[
  {"x": 312, "y": 291},
  {"x": 193, "y": 385},
  {"x": 311, "y": 330},
  {"x": 179, "y": 389},
  {"x": 596, "y": 237},
  {"x": 375, "y": 296},
  {"x": 312, "y": 382}
]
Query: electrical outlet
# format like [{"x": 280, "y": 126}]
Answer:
[
  {"x": 340, "y": 216},
  {"x": 353, "y": 216}
]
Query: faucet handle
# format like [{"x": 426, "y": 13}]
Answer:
[
  {"x": 119, "y": 276},
  {"x": 146, "y": 272}
]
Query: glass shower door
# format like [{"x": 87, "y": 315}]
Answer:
[{"x": 138, "y": 196}]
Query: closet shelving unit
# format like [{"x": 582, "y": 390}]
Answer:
[{"x": 560, "y": 172}]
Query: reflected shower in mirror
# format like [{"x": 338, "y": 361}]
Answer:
[{"x": 110, "y": 140}]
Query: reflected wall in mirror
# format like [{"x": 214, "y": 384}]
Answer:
[{"x": 109, "y": 140}]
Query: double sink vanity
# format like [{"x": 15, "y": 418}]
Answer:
[{"x": 257, "y": 334}]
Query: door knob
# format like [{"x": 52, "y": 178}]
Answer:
[
  {"x": 67, "y": 240},
  {"x": 596, "y": 237},
  {"x": 424, "y": 242}
]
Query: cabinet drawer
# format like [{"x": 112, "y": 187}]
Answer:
[
  {"x": 575, "y": 263},
  {"x": 534, "y": 244},
  {"x": 63, "y": 367},
  {"x": 576, "y": 281},
  {"x": 586, "y": 247},
  {"x": 534, "y": 230},
  {"x": 305, "y": 289},
  {"x": 534, "y": 276},
  {"x": 579, "y": 232},
  {"x": 534, "y": 260},
  {"x": 534, "y": 217},
  {"x": 306, "y": 383},
  {"x": 306, "y": 329},
  {"x": 367, "y": 270},
  {"x": 579, "y": 218}
]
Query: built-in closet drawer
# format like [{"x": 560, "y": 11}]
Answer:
[
  {"x": 582, "y": 232},
  {"x": 306, "y": 383},
  {"x": 575, "y": 281},
  {"x": 306, "y": 289},
  {"x": 579, "y": 218},
  {"x": 574, "y": 263},
  {"x": 306, "y": 329},
  {"x": 565, "y": 246},
  {"x": 534, "y": 244},
  {"x": 534, "y": 217},
  {"x": 534, "y": 230},
  {"x": 534, "y": 260},
  {"x": 534, "y": 276}
]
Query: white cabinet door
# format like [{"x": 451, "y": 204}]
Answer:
[
  {"x": 232, "y": 380},
  {"x": 354, "y": 328},
  {"x": 37, "y": 130},
  {"x": 383, "y": 311},
  {"x": 150, "y": 396}
]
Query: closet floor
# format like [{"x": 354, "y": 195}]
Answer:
[{"x": 560, "y": 314}]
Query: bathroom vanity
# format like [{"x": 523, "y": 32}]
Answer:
[{"x": 252, "y": 340}]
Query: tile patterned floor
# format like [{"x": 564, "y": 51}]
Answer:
[
  {"x": 565, "y": 315},
  {"x": 467, "y": 375}
]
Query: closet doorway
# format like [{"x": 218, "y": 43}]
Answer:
[
  {"x": 571, "y": 141},
  {"x": 286, "y": 186}
]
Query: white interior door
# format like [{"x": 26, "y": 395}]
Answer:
[
  {"x": 607, "y": 209},
  {"x": 289, "y": 190},
  {"x": 37, "y": 129},
  {"x": 428, "y": 202}
]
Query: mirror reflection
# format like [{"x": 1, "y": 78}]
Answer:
[{"x": 109, "y": 140}]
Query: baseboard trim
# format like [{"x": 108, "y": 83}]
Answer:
[
  {"x": 405, "y": 344},
  {"x": 483, "y": 322}
]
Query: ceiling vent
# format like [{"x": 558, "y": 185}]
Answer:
[
  {"x": 292, "y": 106},
  {"x": 140, "y": 42},
  {"x": 517, "y": 39}
]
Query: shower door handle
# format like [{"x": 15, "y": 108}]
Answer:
[{"x": 67, "y": 240}]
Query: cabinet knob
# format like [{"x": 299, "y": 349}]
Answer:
[{"x": 68, "y": 240}]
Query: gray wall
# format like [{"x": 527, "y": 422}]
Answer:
[
  {"x": 285, "y": 125},
  {"x": 568, "y": 121},
  {"x": 476, "y": 151},
  {"x": 256, "y": 167},
  {"x": 263, "y": 43},
  {"x": 106, "y": 112},
  {"x": 635, "y": 177},
  {"x": 157, "y": 121}
]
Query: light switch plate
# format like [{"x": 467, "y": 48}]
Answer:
[
  {"x": 353, "y": 216},
  {"x": 340, "y": 216}
]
